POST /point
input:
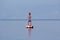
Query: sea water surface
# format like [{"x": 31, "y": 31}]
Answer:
[{"x": 43, "y": 30}]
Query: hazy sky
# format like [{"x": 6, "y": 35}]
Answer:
[{"x": 38, "y": 8}]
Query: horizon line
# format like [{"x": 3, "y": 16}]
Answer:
[{"x": 31, "y": 19}]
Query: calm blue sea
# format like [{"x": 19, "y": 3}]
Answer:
[{"x": 43, "y": 30}]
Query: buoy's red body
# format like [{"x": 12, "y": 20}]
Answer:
[{"x": 29, "y": 21}]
